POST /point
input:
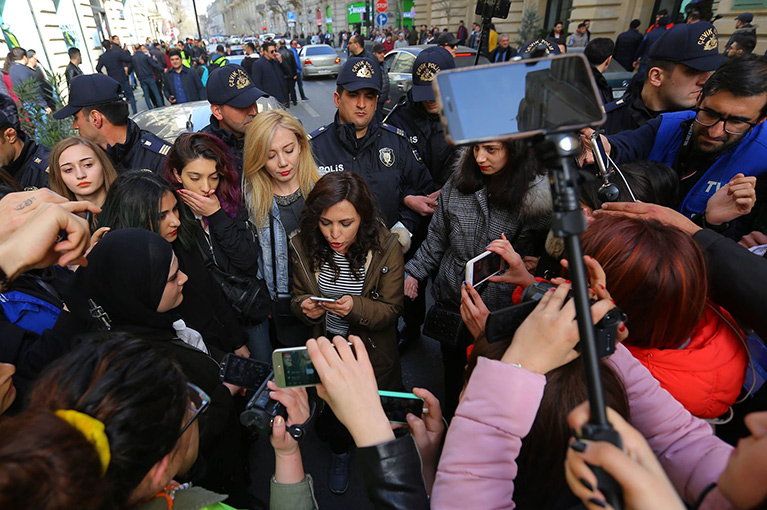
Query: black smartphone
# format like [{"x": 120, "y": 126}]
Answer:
[
  {"x": 245, "y": 372},
  {"x": 397, "y": 405}
]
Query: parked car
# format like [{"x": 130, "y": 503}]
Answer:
[
  {"x": 617, "y": 77},
  {"x": 319, "y": 60},
  {"x": 168, "y": 122},
  {"x": 399, "y": 66}
]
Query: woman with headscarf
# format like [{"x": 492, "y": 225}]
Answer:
[{"x": 133, "y": 283}]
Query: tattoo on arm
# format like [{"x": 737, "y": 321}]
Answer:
[{"x": 26, "y": 203}]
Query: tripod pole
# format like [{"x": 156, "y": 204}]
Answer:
[{"x": 484, "y": 35}]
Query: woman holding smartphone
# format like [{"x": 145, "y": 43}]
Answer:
[
  {"x": 278, "y": 174},
  {"x": 498, "y": 190},
  {"x": 344, "y": 252}
]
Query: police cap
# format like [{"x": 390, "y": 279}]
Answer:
[
  {"x": 90, "y": 90},
  {"x": 446, "y": 39},
  {"x": 695, "y": 45},
  {"x": 745, "y": 17},
  {"x": 428, "y": 63},
  {"x": 359, "y": 73},
  {"x": 230, "y": 85},
  {"x": 541, "y": 48}
]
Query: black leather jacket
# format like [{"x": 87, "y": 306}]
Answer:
[{"x": 392, "y": 475}]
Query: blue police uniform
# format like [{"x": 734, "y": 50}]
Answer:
[
  {"x": 30, "y": 169},
  {"x": 141, "y": 150}
]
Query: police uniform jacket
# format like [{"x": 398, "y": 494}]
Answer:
[
  {"x": 30, "y": 169},
  {"x": 384, "y": 157},
  {"x": 114, "y": 61},
  {"x": 142, "y": 150},
  {"x": 236, "y": 145},
  {"x": 425, "y": 132},
  {"x": 626, "y": 113}
]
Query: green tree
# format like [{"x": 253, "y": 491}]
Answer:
[
  {"x": 530, "y": 26},
  {"x": 34, "y": 120}
]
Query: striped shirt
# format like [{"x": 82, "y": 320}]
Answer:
[{"x": 345, "y": 285}]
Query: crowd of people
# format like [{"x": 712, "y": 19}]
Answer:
[{"x": 119, "y": 253}]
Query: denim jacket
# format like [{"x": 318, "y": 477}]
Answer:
[{"x": 280, "y": 249}]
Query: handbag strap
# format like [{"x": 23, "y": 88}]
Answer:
[{"x": 274, "y": 254}]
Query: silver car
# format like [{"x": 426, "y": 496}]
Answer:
[
  {"x": 168, "y": 122},
  {"x": 319, "y": 60}
]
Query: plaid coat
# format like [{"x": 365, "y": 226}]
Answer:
[{"x": 462, "y": 227}]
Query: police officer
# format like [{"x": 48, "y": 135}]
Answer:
[
  {"x": 418, "y": 114},
  {"x": 233, "y": 107},
  {"x": 679, "y": 64},
  {"x": 22, "y": 157},
  {"x": 100, "y": 114},
  {"x": 379, "y": 152}
]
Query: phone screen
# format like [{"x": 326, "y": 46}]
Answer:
[
  {"x": 486, "y": 267},
  {"x": 298, "y": 368},
  {"x": 397, "y": 407},
  {"x": 245, "y": 372},
  {"x": 539, "y": 95}
]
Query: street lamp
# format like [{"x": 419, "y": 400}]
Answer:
[{"x": 197, "y": 20}]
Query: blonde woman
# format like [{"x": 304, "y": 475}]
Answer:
[
  {"x": 80, "y": 170},
  {"x": 278, "y": 173}
]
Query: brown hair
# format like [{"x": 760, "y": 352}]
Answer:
[
  {"x": 54, "y": 170},
  {"x": 655, "y": 273},
  {"x": 47, "y": 464},
  {"x": 540, "y": 480}
]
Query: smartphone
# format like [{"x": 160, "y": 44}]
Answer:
[
  {"x": 482, "y": 267},
  {"x": 397, "y": 405},
  {"x": 293, "y": 368},
  {"x": 322, "y": 299},
  {"x": 245, "y": 372},
  {"x": 540, "y": 95}
]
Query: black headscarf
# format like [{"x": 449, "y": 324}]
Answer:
[{"x": 126, "y": 275}]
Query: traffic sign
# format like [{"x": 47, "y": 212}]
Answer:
[
  {"x": 291, "y": 16},
  {"x": 382, "y": 19},
  {"x": 382, "y": 5}
]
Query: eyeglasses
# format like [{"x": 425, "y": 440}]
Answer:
[
  {"x": 710, "y": 118},
  {"x": 199, "y": 401}
]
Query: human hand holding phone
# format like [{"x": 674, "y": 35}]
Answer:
[
  {"x": 341, "y": 306},
  {"x": 644, "y": 483},
  {"x": 288, "y": 464},
  {"x": 349, "y": 387},
  {"x": 428, "y": 431},
  {"x": 473, "y": 310},
  {"x": 312, "y": 309},
  {"x": 516, "y": 273}
]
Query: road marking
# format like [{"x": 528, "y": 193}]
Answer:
[{"x": 311, "y": 110}]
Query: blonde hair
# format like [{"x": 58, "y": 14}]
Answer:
[
  {"x": 257, "y": 183},
  {"x": 54, "y": 168}
]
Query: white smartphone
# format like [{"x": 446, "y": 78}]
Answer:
[
  {"x": 322, "y": 299},
  {"x": 293, "y": 368},
  {"x": 482, "y": 267}
]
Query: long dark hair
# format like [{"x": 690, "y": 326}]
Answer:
[
  {"x": 538, "y": 484},
  {"x": 133, "y": 201},
  {"x": 331, "y": 189},
  {"x": 507, "y": 188},
  {"x": 191, "y": 146},
  {"x": 129, "y": 385}
]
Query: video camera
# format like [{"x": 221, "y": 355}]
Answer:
[{"x": 501, "y": 324}]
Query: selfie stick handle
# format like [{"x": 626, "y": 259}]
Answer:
[{"x": 556, "y": 151}]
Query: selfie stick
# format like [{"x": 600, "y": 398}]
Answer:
[{"x": 556, "y": 152}]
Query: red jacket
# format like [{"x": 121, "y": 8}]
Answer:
[{"x": 705, "y": 376}]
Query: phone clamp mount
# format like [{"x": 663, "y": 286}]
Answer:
[
  {"x": 557, "y": 151},
  {"x": 607, "y": 168},
  {"x": 261, "y": 410},
  {"x": 489, "y": 9}
]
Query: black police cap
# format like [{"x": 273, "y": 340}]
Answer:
[
  {"x": 695, "y": 45},
  {"x": 360, "y": 73},
  {"x": 90, "y": 90},
  {"x": 426, "y": 66},
  {"x": 230, "y": 85}
]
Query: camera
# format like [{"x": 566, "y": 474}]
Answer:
[
  {"x": 261, "y": 410},
  {"x": 501, "y": 324}
]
